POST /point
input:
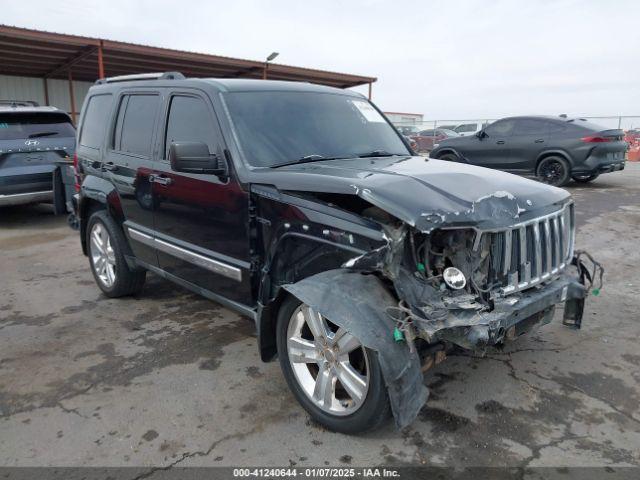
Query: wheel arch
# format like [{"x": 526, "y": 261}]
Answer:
[
  {"x": 97, "y": 194},
  {"x": 444, "y": 150},
  {"x": 553, "y": 153},
  {"x": 281, "y": 268}
]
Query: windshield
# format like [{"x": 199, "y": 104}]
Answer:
[
  {"x": 282, "y": 127},
  {"x": 18, "y": 126}
]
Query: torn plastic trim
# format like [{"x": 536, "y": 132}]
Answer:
[{"x": 357, "y": 303}]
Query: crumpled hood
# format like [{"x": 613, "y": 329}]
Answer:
[{"x": 426, "y": 193}]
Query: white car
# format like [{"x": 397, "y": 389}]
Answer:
[{"x": 471, "y": 128}]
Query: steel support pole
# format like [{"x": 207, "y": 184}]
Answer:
[
  {"x": 46, "y": 91},
  {"x": 370, "y": 87},
  {"x": 100, "y": 61},
  {"x": 72, "y": 99}
]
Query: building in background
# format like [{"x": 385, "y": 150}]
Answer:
[
  {"x": 57, "y": 69},
  {"x": 400, "y": 118}
]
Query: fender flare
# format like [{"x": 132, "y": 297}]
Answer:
[{"x": 357, "y": 303}]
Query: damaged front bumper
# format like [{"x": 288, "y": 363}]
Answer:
[
  {"x": 360, "y": 303},
  {"x": 511, "y": 316}
]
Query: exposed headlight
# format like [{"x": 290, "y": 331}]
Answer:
[
  {"x": 454, "y": 278},
  {"x": 436, "y": 145}
]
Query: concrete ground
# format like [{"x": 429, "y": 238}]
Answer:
[{"x": 170, "y": 378}]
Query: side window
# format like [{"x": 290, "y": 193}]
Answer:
[
  {"x": 189, "y": 120},
  {"x": 556, "y": 127},
  {"x": 135, "y": 123},
  {"x": 502, "y": 128},
  {"x": 530, "y": 126},
  {"x": 95, "y": 121}
]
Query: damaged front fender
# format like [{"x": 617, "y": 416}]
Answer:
[{"x": 358, "y": 303}]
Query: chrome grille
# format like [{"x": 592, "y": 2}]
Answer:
[{"x": 530, "y": 252}]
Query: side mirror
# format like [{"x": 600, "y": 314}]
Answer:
[
  {"x": 481, "y": 134},
  {"x": 194, "y": 157}
]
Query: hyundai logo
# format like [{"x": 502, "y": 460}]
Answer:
[{"x": 32, "y": 143}]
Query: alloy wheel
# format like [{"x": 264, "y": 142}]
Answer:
[
  {"x": 552, "y": 172},
  {"x": 103, "y": 257},
  {"x": 330, "y": 364}
]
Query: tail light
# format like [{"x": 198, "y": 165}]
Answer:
[
  {"x": 596, "y": 139},
  {"x": 76, "y": 173}
]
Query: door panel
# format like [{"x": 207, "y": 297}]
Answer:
[
  {"x": 128, "y": 163},
  {"x": 202, "y": 220},
  {"x": 529, "y": 139},
  {"x": 494, "y": 149}
]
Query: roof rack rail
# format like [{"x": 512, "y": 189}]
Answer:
[
  {"x": 19, "y": 103},
  {"x": 142, "y": 76}
]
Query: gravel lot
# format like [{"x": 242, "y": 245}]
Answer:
[{"x": 170, "y": 378}]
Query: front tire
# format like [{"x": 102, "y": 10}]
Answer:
[
  {"x": 449, "y": 157},
  {"x": 336, "y": 380},
  {"x": 585, "y": 178},
  {"x": 106, "y": 248},
  {"x": 554, "y": 171}
]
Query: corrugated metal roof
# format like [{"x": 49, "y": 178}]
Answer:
[{"x": 52, "y": 55}]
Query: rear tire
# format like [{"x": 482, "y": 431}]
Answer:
[
  {"x": 340, "y": 411},
  {"x": 106, "y": 247},
  {"x": 585, "y": 178},
  {"x": 554, "y": 171}
]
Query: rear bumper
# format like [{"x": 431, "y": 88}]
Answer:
[
  {"x": 598, "y": 165},
  {"x": 614, "y": 167},
  {"x": 26, "y": 198}
]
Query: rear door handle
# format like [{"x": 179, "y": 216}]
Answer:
[
  {"x": 539, "y": 140},
  {"x": 500, "y": 142},
  {"x": 109, "y": 166},
  {"x": 160, "y": 179}
]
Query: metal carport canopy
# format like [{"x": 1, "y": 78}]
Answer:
[{"x": 42, "y": 54}]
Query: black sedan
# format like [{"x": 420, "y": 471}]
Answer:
[{"x": 554, "y": 149}]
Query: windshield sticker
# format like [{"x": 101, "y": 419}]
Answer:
[{"x": 368, "y": 112}]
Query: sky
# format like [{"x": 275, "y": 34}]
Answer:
[{"x": 445, "y": 59}]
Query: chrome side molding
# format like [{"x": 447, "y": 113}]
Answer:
[{"x": 208, "y": 263}]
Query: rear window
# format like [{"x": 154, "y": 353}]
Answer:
[
  {"x": 19, "y": 125},
  {"x": 95, "y": 121},
  {"x": 135, "y": 124},
  {"x": 531, "y": 126}
]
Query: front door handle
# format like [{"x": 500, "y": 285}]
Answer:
[
  {"x": 109, "y": 166},
  {"x": 500, "y": 142},
  {"x": 160, "y": 179},
  {"x": 539, "y": 140}
]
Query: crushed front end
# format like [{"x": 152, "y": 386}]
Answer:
[{"x": 471, "y": 279}]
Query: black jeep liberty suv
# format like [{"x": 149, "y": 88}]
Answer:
[{"x": 301, "y": 207}]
